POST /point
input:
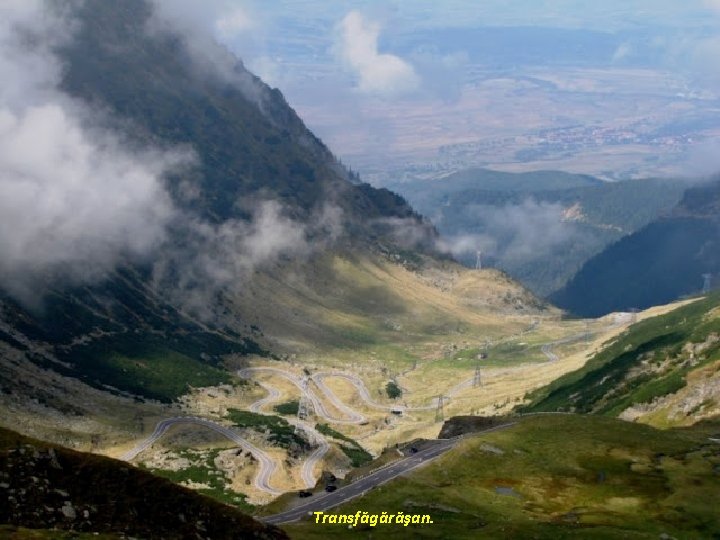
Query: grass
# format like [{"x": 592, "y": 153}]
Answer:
[
  {"x": 204, "y": 471},
  {"x": 163, "y": 375},
  {"x": 10, "y": 532},
  {"x": 357, "y": 454},
  {"x": 611, "y": 381},
  {"x": 555, "y": 476},
  {"x": 280, "y": 431},
  {"x": 289, "y": 408}
]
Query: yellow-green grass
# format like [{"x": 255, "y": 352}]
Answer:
[{"x": 554, "y": 476}]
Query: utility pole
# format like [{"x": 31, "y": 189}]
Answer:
[
  {"x": 304, "y": 403},
  {"x": 476, "y": 377},
  {"x": 587, "y": 332},
  {"x": 439, "y": 412},
  {"x": 478, "y": 260},
  {"x": 706, "y": 283}
]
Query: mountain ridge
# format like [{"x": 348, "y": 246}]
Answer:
[{"x": 659, "y": 263}]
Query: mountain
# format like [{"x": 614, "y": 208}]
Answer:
[
  {"x": 255, "y": 171},
  {"x": 657, "y": 264},
  {"x": 541, "y": 226},
  {"x": 662, "y": 371},
  {"x": 53, "y": 488},
  {"x": 269, "y": 247}
]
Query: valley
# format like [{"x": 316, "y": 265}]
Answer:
[
  {"x": 356, "y": 404},
  {"x": 212, "y": 328}
]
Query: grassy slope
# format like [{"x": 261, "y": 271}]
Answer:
[
  {"x": 341, "y": 302},
  {"x": 357, "y": 454},
  {"x": 571, "y": 477},
  {"x": 648, "y": 361}
]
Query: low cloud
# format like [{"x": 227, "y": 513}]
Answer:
[
  {"x": 200, "y": 24},
  {"x": 515, "y": 232},
  {"x": 378, "y": 73},
  {"x": 74, "y": 200},
  {"x": 216, "y": 259},
  {"x": 703, "y": 159}
]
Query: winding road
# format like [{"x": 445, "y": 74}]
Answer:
[
  {"x": 267, "y": 465},
  {"x": 374, "y": 479}
]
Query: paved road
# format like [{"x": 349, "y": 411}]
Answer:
[
  {"x": 307, "y": 472},
  {"x": 620, "y": 319},
  {"x": 273, "y": 395},
  {"x": 304, "y": 387},
  {"x": 267, "y": 465},
  {"x": 373, "y": 480}
]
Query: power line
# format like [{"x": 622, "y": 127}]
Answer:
[
  {"x": 707, "y": 278},
  {"x": 304, "y": 403},
  {"x": 439, "y": 412}
]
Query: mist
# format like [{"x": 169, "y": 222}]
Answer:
[
  {"x": 214, "y": 260},
  {"x": 515, "y": 232},
  {"x": 74, "y": 200}
]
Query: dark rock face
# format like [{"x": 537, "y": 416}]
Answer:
[
  {"x": 462, "y": 425},
  {"x": 46, "y": 487}
]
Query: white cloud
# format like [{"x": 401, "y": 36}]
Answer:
[
  {"x": 201, "y": 25},
  {"x": 622, "y": 52},
  {"x": 73, "y": 199},
  {"x": 379, "y": 73},
  {"x": 218, "y": 259},
  {"x": 514, "y": 232},
  {"x": 233, "y": 23}
]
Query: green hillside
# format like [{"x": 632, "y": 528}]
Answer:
[
  {"x": 655, "y": 265},
  {"x": 650, "y": 360},
  {"x": 124, "y": 333},
  {"x": 554, "y": 476}
]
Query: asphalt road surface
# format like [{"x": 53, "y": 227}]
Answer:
[{"x": 373, "y": 480}]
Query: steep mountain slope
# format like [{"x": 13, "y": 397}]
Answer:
[
  {"x": 542, "y": 226},
  {"x": 664, "y": 370},
  {"x": 270, "y": 248},
  {"x": 256, "y": 178},
  {"x": 249, "y": 142},
  {"x": 49, "y": 487},
  {"x": 657, "y": 264}
]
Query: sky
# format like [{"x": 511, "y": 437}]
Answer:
[{"x": 359, "y": 72}]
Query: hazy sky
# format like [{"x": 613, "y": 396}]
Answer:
[
  {"x": 353, "y": 68},
  {"x": 390, "y": 83}
]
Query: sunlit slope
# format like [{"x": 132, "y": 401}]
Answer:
[
  {"x": 344, "y": 300},
  {"x": 554, "y": 476},
  {"x": 664, "y": 370}
]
